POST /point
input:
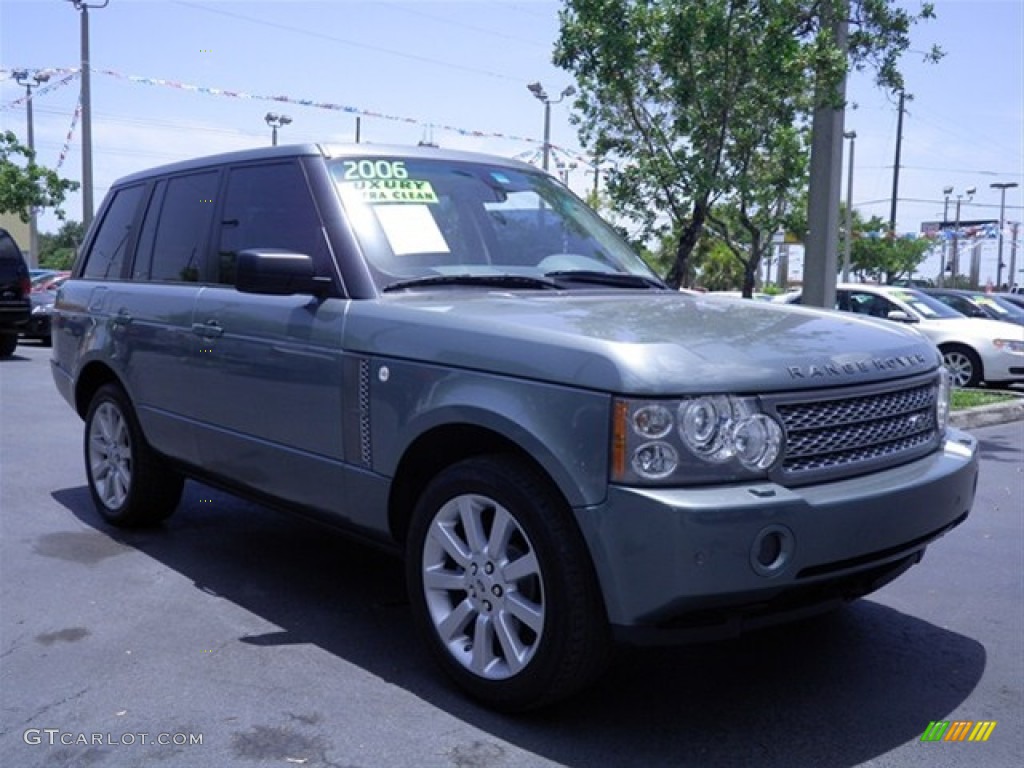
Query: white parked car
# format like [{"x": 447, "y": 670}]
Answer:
[{"x": 974, "y": 349}]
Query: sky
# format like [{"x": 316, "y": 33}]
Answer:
[{"x": 455, "y": 73}]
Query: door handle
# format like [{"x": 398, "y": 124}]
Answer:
[
  {"x": 208, "y": 330},
  {"x": 121, "y": 319}
]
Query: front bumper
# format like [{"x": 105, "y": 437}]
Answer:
[
  {"x": 707, "y": 562},
  {"x": 1003, "y": 366}
]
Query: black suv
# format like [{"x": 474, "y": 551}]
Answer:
[{"x": 15, "y": 306}]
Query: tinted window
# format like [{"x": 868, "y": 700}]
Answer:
[
  {"x": 269, "y": 206},
  {"x": 109, "y": 248},
  {"x": 182, "y": 229},
  {"x": 147, "y": 234},
  {"x": 9, "y": 251}
]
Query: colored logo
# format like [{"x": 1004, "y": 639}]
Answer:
[{"x": 958, "y": 730}]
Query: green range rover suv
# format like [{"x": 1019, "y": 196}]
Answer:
[{"x": 450, "y": 354}]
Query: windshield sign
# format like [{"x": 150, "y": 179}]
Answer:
[
  {"x": 424, "y": 218},
  {"x": 925, "y": 305}
]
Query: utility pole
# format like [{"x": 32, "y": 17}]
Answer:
[
  {"x": 1013, "y": 254},
  {"x": 87, "y": 207},
  {"x": 848, "y": 240},
  {"x": 825, "y": 179},
  {"x": 896, "y": 169},
  {"x": 22, "y": 78},
  {"x": 1002, "y": 187}
]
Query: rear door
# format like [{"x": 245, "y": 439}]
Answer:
[{"x": 151, "y": 310}]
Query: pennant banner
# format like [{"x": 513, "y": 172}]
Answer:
[{"x": 70, "y": 73}]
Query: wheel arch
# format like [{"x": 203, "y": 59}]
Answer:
[
  {"x": 440, "y": 447},
  {"x": 93, "y": 376}
]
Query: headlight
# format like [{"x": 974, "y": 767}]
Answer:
[
  {"x": 694, "y": 440},
  {"x": 942, "y": 396},
  {"x": 1013, "y": 346}
]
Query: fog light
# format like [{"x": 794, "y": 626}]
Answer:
[{"x": 772, "y": 550}]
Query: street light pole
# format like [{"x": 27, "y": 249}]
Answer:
[
  {"x": 946, "y": 191},
  {"x": 21, "y": 76},
  {"x": 87, "y": 208},
  {"x": 1002, "y": 187},
  {"x": 275, "y": 121},
  {"x": 852, "y": 136},
  {"x": 541, "y": 95},
  {"x": 956, "y": 232}
]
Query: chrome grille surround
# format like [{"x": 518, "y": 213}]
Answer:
[{"x": 836, "y": 433}]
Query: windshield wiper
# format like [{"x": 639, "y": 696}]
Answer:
[
  {"x": 618, "y": 279},
  {"x": 521, "y": 282}
]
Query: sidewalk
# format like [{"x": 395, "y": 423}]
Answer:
[{"x": 987, "y": 415}]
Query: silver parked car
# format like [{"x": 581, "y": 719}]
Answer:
[
  {"x": 975, "y": 350},
  {"x": 451, "y": 354}
]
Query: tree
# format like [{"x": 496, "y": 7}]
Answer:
[
  {"x": 58, "y": 251},
  {"x": 26, "y": 186},
  {"x": 719, "y": 270},
  {"x": 706, "y": 103},
  {"x": 875, "y": 254}
]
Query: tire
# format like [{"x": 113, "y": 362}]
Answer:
[
  {"x": 128, "y": 485},
  {"x": 8, "y": 343},
  {"x": 493, "y": 554},
  {"x": 963, "y": 365}
]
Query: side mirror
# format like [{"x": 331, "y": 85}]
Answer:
[
  {"x": 278, "y": 273},
  {"x": 902, "y": 317}
]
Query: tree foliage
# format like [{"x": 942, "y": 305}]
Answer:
[
  {"x": 58, "y": 251},
  {"x": 877, "y": 256},
  {"x": 25, "y": 185},
  {"x": 703, "y": 106}
]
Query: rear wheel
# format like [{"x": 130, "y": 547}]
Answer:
[
  {"x": 501, "y": 585},
  {"x": 128, "y": 484},
  {"x": 8, "y": 343},
  {"x": 963, "y": 365}
]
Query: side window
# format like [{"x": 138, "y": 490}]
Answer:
[
  {"x": 870, "y": 304},
  {"x": 147, "y": 233},
  {"x": 269, "y": 206},
  {"x": 179, "y": 247},
  {"x": 107, "y": 254}
]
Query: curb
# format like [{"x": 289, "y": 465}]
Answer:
[{"x": 988, "y": 415}]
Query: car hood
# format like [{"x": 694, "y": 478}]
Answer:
[{"x": 661, "y": 343}]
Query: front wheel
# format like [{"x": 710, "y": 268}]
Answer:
[
  {"x": 963, "y": 365},
  {"x": 501, "y": 585},
  {"x": 128, "y": 484}
]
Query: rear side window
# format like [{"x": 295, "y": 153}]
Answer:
[
  {"x": 107, "y": 254},
  {"x": 182, "y": 228},
  {"x": 269, "y": 206},
  {"x": 9, "y": 251}
]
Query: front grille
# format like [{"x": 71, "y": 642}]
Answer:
[{"x": 830, "y": 435}]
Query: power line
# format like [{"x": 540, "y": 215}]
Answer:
[
  {"x": 463, "y": 25},
  {"x": 931, "y": 202},
  {"x": 353, "y": 43}
]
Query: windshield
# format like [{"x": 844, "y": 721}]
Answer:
[
  {"x": 429, "y": 218},
  {"x": 923, "y": 305},
  {"x": 996, "y": 307}
]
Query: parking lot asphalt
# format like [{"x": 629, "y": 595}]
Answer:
[{"x": 278, "y": 643}]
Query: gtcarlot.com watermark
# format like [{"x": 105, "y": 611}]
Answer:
[{"x": 55, "y": 736}]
